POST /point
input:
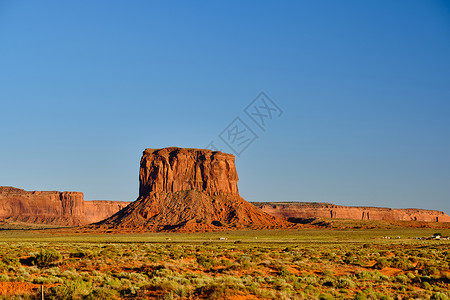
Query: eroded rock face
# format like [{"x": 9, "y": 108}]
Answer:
[
  {"x": 303, "y": 210},
  {"x": 63, "y": 208},
  {"x": 189, "y": 190},
  {"x": 171, "y": 170},
  {"x": 56, "y": 208}
]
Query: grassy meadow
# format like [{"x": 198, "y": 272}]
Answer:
[{"x": 267, "y": 264}]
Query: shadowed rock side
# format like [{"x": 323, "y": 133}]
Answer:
[
  {"x": 52, "y": 207},
  {"x": 189, "y": 190},
  {"x": 303, "y": 210}
]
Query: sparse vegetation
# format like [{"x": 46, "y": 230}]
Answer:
[{"x": 284, "y": 268}]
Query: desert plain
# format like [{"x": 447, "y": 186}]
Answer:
[{"x": 190, "y": 235}]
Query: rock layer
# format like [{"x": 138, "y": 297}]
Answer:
[
  {"x": 304, "y": 210},
  {"x": 189, "y": 190}
]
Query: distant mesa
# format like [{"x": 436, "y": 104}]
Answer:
[
  {"x": 189, "y": 190},
  {"x": 52, "y": 207},
  {"x": 304, "y": 210}
]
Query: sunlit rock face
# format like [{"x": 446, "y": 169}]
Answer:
[
  {"x": 326, "y": 210},
  {"x": 54, "y": 208},
  {"x": 173, "y": 170},
  {"x": 189, "y": 190},
  {"x": 49, "y": 207}
]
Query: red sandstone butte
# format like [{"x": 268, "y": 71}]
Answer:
[
  {"x": 52, "y": 207},
  {"x": 189, "y": 190},
  {"x": 302, "y": 210}
]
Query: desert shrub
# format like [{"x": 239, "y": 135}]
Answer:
[
  {"x": 410, "y": 275},
  {"x": 326, "y": 297},
  {"x": 137, "y": 277},
  {"x": 430, "y": 270},
  {"x": 281, "y": 285},
  {"x": 102, "y": 294},
  {"x": 70, "y": 290},
  {"x": 244, "y": 259},
  {"x": 365, "y": 275},
  {"x": 266, "y": 294},
  {"x": 212, "y": 291},
  {"x": 439, "y": 296},
  {"x": 71, "y": 274},
  {"x": 111, "y": 282},
  {"x": 161, "y": 271},
  {"x": 401, "y": 263},
  {"x": 403, "y": 279},
  {"x": 225, "y": 262},
  {"x": 309, "y": 280},
  {"x": 53, "y": 271},
  {"x": 10, "y": 260},
  {"x": 309, "y": 289},
  {"x": 109, "y": 251},
  {"x": 46, "y": 257},
  {"x": 4, "y": 277},
  {"x": 381, "y": 263},
  {"x": 206, "y": 262},
  {"x": 47, "y": 280},
  {"x": 181, "y": 291},
  {"x": 360, "y": 296},
  {"x": 383, "y": 278},
  {"x": 79, "y": 253},
  {"x": 283, "y": 271},
  {"x": 23, "y": 272},
  {"x": 298, "y": 286},
  {"x": 426, "y": 285},
  {"x": 345, "y": 283},
  {"x": 3, "y": 266},
  {"x": 231, "y": 282}
]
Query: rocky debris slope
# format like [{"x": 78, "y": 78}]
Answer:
[
  {"x": 303, "y": 210},
  {"x": 51, "y": 207},
  {"x": 189, "y": 190}
]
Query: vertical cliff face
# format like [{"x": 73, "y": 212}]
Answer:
[
  {"x": 171, "y": 170},
  {"x": 72, "y": 204},
  {"x": 189, "y": 190}
]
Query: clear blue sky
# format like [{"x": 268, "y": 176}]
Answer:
[{"x": 86, "y": 86}]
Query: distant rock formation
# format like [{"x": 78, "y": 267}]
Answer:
[
  {"x": 189, "y": 190},
  {"x": 97, "y": 210},
  {"x": 63, "y": 208},
  {"x": 51, "y": 207},
  {"x": 304, "y": 210}
]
